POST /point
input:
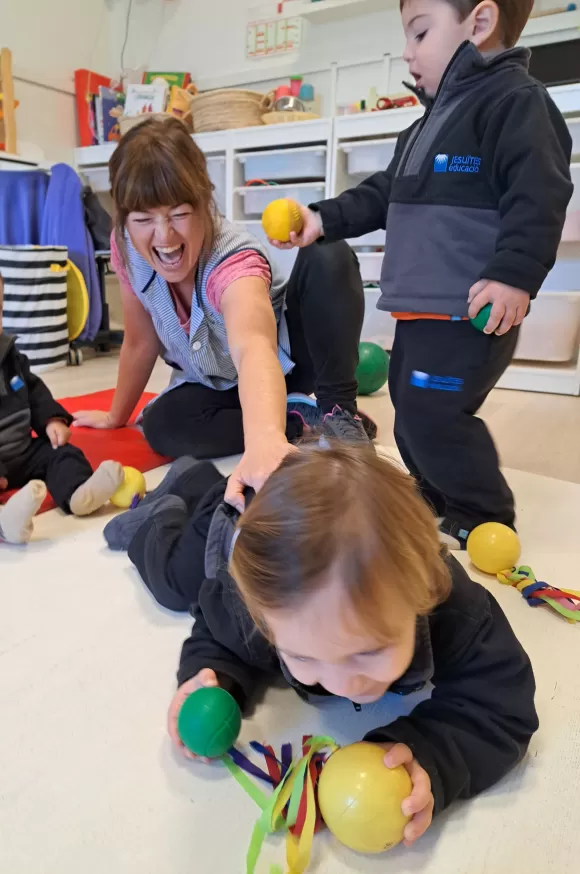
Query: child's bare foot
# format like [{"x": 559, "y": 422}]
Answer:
[
  {"x": 16, "y": 517},
  {"x": 98, "y": 489}
]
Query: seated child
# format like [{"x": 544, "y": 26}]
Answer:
[
  {"x": 32, "y": 464},
  {"x": 342, "y": 588}
]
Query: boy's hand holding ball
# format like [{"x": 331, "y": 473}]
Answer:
[
  {"x": 508, "y": 305},
  {"x": 420, "y": 803},
  {"x": 287, "y": 224},
  {"x": 204, "y": 679}
]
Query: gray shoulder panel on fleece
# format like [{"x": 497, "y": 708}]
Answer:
[{"x": 434, "y": 254}]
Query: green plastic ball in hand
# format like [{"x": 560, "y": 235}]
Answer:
[
  {"x": 373, "y": 368},
  {"x": 209, "y": 722},
  {"x": 482, "y": 318}
]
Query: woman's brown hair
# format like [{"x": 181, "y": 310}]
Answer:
[
  {"x": 157, "y": 164},
  {"x": 343, "y": 508}
]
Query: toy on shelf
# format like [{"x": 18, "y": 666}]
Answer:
[
  {"x": 566, "y": 602},
  {"x": 209, "y": 722},
  {"x": 373, "y": 368},
  {"x": 481, "y": 319},
  {"x": 281, "y": 218},
  {"x": 493, "y": 547},
  {"x": 131, "y": 491},
  {"x": 360, "y": 798}
]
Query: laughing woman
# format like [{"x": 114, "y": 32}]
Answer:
[{"x": 202, "y": 293}]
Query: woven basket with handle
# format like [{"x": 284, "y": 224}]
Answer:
[{"x": 228, "y": 108}]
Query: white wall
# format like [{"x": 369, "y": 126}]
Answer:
[
  {"x": 208, "y": 39},
  {"x": 49, "y": 39}
]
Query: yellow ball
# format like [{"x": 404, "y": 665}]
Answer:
[
  {"x": 280, "y": 218},
  {"x": 493, "y": 547},
  {"x": 360, "y": 798},
  {"x": 132, "y": 485}
]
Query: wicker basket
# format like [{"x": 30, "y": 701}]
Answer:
[
  {"x": 228, "y": 108},
  {"x": 285, "y": 117},
  {"x": 126, "y": 122}
]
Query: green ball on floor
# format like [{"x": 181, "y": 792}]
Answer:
[
  {"x": 209, "y": 722},
  {"x": 482, "y": 318},
  {"x": 373, "y": 368}
]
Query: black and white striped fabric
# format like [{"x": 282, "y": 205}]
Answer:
[{"x": 35, "y": 309}]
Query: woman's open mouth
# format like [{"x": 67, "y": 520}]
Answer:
[{"x": 169, "y": 256}]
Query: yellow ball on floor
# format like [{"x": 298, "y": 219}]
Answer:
[
  {"x": 493, "y": 547},
  {"x": 280, "y": 218},
  {"x": 360, "y": 798},
  {"x": 132, "y": 486}
]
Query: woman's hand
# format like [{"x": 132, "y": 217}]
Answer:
[
  {"x": 420, "y": 803},
  {"x": 206, "y": 677},
  {"x": 311, "y": 231},
  {"x": 3, "y": 483},
  {"x": 94, "y": 419},
  {"x": 256, "y": 465}
]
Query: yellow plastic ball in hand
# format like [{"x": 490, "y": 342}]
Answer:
[
  {"x": 493, "y": 547},
  {"x": 360, "y": 798},
  {"x": 280, "y": 218},
  {"x": 132, "y": 487}
]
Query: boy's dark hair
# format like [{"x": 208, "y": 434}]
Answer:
[{"x": 513, "y": 16}]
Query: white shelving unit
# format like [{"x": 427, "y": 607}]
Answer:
[{"x": 289, "y": 147}]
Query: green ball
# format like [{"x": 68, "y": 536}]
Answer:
[
  {"x": 209, "y": 722},
  {"x": 373, "y": 368},
  {"x": 481, "y": 319}
]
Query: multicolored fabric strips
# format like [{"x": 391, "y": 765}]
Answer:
[
  {"x": 566, "y": 602},
  {"x": 292, "y": 806}
]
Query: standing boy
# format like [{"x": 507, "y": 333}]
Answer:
[{"x": 474, "y": 203}]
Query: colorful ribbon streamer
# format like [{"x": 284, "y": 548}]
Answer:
[
  {"x": 566, "y": 602},
  {"x": 292, "y": 806}
]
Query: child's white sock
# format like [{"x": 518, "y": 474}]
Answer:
[
  {"x": 98, "y": 489},
  {"x": 17, "y": 515}
]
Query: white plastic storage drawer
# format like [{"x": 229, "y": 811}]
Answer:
[
  {"x": 378, "y": 326},
  {"x": 305, "y": 163},
  {"x": 375, "y": 238},
  {"x": 565, "y": 274},
  {"x": 574, "y": 127},
  {"x": 368, "y": 156},
  {"x": 552, "y": 329},
  {"x": 97, "y": 177},
  {"x": 256, "y": 198},
  {"x": 371, "y": 264},
  {"x": 572, "y": 227},
  {"x": 216, "y": 168}
]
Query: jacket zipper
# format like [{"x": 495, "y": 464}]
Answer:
[{"x": 429, "y": 109}]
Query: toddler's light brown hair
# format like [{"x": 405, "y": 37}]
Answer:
[{"x": 343, "y": 508}]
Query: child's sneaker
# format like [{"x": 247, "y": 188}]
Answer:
[
  {"x": 453, "y": 534},
  {"x": 342, "y": 425},
  {"x": 305, "y": 408}
]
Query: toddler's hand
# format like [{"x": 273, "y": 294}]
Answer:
[
  {"x": 58, "y": 433},
  {"x": 311, "y": 231},
  {"x": 420, "y": 803},
  {"x": 509, "y": 305},
  {"x": 206, "y": 677},
  {"x": 3, "y": 483}
]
